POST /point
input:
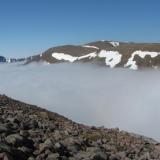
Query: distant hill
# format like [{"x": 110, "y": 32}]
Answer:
[
  {"x": 10, "y": 60},
  {"x": 106, "y": 53},
  {"x": 2, "y": 59}
]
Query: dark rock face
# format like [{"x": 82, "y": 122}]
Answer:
[
  {"x": 2, "y": 59},
  {"x": 31, "y": 133}
]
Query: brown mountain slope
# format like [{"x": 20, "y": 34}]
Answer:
[{"x": 144, "y": 54}]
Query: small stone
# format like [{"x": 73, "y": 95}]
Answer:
[
  {"x": 4, "y": 148},
  {"x": 57, "y": 145},
  {"x": 100, "y": 156},
  {"x": 30, "y": 158},
  {"x": 24, "y": 133},
  {"x": 5, "y": 156},
  {"x": 44, "y": 115},
  {"x": 14, "y": 139},
  {"x": 54, "y": 156},
  {"x": 25, "y": 150},
  {"x": 48, "y": 144}
]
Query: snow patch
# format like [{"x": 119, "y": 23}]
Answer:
[
  {"x": 8, "y": 60},
  {"x": 87, "y": 46},
  {"x": 67, "y": 57},
  {"x": 132, "y": 64},
  {"x": 112, "y": 57},
  {"x": 90, "y": 55},
  {"x": 114, "y": 44},
  {"x": 62, "y": 56}
]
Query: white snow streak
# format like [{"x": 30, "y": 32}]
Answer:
[
  {"x": 90, "y": 55},
  {"x": 87, "y": 46},
  {"x": 62, "y": 56},
  {"x": 114, "y": 44},
  {"x": 67, "y": 57},
  {"x": 132, "y": 64},
  {"x": 112, "y": 57}
]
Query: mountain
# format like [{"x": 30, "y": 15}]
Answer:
[
  {"x": 28, "y": 132},
  {"x": 13, "y": 60},
  {"x": 2, "y": 59},
  {"x": 106, "y": 53}
]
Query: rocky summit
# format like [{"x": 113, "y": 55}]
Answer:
[{"x": 28, "y": 132}]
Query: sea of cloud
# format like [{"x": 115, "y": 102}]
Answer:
[{"x": 93, "y": 95}]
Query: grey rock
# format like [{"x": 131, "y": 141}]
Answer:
[
  {"x": 24, "y": 133},
  {"x": 5, "y": 156},
  {"x": 12, "y": 152},
  {"x": 101, "y": 156},
  {"x": 57, "y": 145},
  {"x": 14, "y": 139},
  {"x": 4, "y": 148},
  {"x": 4, "y": 128},
  {"x": 53, "y": 156},
  {"x": 31, "y": 133},
  {"x": 31, "y": 158}
]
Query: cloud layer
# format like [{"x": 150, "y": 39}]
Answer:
[{"x": 89, "y": 94}]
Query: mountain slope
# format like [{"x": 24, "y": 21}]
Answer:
[
  {"x": 28, "y": 132},
  {"x": 107, "y": 53},
  {"x": 2, "y": 59}
]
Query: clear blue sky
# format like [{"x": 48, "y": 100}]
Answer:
[{"x": 30, "y": 26}]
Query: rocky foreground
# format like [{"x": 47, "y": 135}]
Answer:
[{"x": 28, "y": 132}]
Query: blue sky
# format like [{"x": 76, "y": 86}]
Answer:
[{"x": 28, "y": 27}]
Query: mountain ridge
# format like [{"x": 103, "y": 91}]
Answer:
[{"x": 105, "y": 53}]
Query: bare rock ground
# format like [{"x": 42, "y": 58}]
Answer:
[{"x": 28, "y": 132}]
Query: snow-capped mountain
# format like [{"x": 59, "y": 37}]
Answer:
[{"x": 107, "y": 53}]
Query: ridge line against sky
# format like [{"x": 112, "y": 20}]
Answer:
[{"x": 30, "y": 26}]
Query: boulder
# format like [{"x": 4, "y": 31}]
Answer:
[{"x": 14, "y": 140}]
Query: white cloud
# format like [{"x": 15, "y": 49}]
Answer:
[{"x": 89, "y": 94}]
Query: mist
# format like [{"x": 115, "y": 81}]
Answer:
[{"x": 89, "y": 94}]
